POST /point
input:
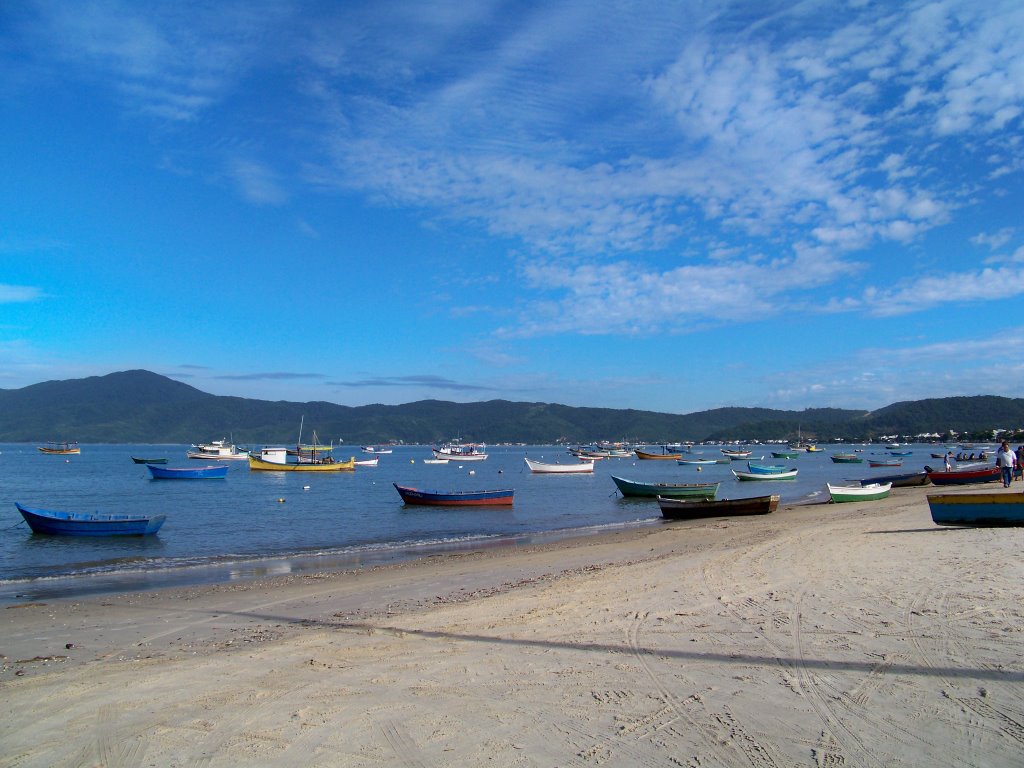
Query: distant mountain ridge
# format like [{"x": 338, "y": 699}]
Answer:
[{"x": 145, "y": 407}]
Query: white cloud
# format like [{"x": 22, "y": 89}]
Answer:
[{"x": 18, "y": 294}]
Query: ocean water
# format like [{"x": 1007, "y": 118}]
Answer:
[{"x": 254, "y": 524}]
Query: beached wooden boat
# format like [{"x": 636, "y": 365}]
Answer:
[
  {"x": 319, "y": 465},
  {"x": 846, "y": 458},
  {"x": 89, "y": 523},
  {"x": 217, "y": 472},
  {"x": 765, "y": 469},
  {"x": 902, "y": 480},
  {"x": 672, "y": 490},
  {"x": 885, "y": 462},
  {"x": 789, "y": 474},
  {"x": 541, "y": 467},
  {"x": 418, "y": 496},
  {"x": 59, "y": 449},
  {"x": 683, "y": 509},
  {"x": 785, "y": 454},
  {"x": 973, "y": 476},
  {"x": 995, "y": 509},
  {"x": 872, "y": 492},
  {"x": 137, "y": 460},
  {"x": 646, "y": 456}
]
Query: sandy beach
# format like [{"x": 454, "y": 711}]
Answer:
[{"x": 826, "y": 635}]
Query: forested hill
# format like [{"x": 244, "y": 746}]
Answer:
[{"x": 141, "y": 406}]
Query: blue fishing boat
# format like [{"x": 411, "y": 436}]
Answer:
[
  {"x": 501, "y": 497},
  {"x": 977, "y": 509},
  {"x": 765, "y": 469},
  {"x": 900, "y": 480},
  {"x": 217, "y": 472},
  {"x": 89, "y": 523}
]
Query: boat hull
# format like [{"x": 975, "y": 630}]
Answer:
[
  {"x": 987, "y": 509},
  {"x": 187, "y": 473},
  {"x": 965, "y": 477},
  {"x": 903, "y": 480},
  {"x": 680, "y": 509},
  {"x": 847, "y": 493},
  {"x": 658, "y": 456},
  {"x": 671, "y": 490},
  {"x": 89, "y": 524},
  {"x": 439, "y": 454},
  {"x": 329, "y": 466},
  {"x": 148, "y": 461},
  {"x": 787, "y": 475},
  {"x": 420, "y": 497},
  {"x": 541, "y": 468}
]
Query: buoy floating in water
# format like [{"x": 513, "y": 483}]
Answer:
[
  {"x": 472, "y": 471},
  {"x": 280, "y": 501},
  {"x": 412, "y": 461},
  {"x": 305, "y": 487}
]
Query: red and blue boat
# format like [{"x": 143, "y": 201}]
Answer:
[
  {"x": 89, "y": 523},
  {"x": 964, "y": 476},
  {"x": 501, "y": 497},
  {"x": 977, "y": 509},
  {"x": 213, "y": 472}
]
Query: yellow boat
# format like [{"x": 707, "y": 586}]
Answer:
[
  {"x": 62, "y": 449},
  {"x": 325, "y": 465}
]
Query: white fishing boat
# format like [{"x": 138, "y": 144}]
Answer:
[
  {"x": 541, "y": 467},
  {"x": 217, "y": 450}
]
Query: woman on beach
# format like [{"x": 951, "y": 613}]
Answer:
[{"x": 1006, "y": 460}]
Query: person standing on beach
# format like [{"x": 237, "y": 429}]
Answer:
[
  {"x": 1020, "y": 462},
  {"x": 1005, "y": 460}
]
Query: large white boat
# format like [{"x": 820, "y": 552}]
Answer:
[
  {"x": 461, "y": 452},
  {"x": 218, "y": 449}
]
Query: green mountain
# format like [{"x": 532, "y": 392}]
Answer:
[{"x": 141, "y": 406}]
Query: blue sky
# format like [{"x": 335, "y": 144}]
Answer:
[{"x": 665, "y": 206}]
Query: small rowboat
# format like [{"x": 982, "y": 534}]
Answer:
[
  {"x": 89, "y": 523},
  {"x": 682, "y": 509},
  {"x": 421, "y": 497},
  {"x": 885, "y": 462},
  {"x": 218, "y": 472},
  {"x": 736, "y": 454},
  {"x": 785, "y": 454},
  {"x": 375, "y": 461},
  {"x": 789, "y": 474},
  {"x": 977, "y": 509},
  {"x": 964, "y": 476},
  {"x": 696, "y": 462},
  {"x": 540, "y": 467},
  {"x": 873, "y": 492},
  {"x": 846, "y": 458},
  {"x": 765, "y": 469},
  {"x": 903, "y": 480},
  {"x": 148, "y": 461},
  {"x": 670, "y": 456},
  {"x": 673, "y": 490}
]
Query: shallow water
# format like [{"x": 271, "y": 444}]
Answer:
[{"x": 259, "y": 523}]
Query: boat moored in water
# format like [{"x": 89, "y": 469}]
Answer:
[
  {"x": 421, "y": 497},
  {"x": 89, "y": 523}
]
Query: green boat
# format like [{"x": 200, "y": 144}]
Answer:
[
  {"x": 873, "y": 492},
  {"x": 846, "y": 458},
  {"x": 785, "y": 454},
  {"x": 669, "y": 490}
]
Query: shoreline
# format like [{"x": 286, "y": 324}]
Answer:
[{"x": 819, "y": 630}]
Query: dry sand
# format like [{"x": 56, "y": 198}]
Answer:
[{"x": 830, "y": 635}]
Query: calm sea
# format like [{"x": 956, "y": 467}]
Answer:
[{"x": 261, "y": 523}]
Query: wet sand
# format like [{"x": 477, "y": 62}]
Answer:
[{"x": 825, "y": 635}]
